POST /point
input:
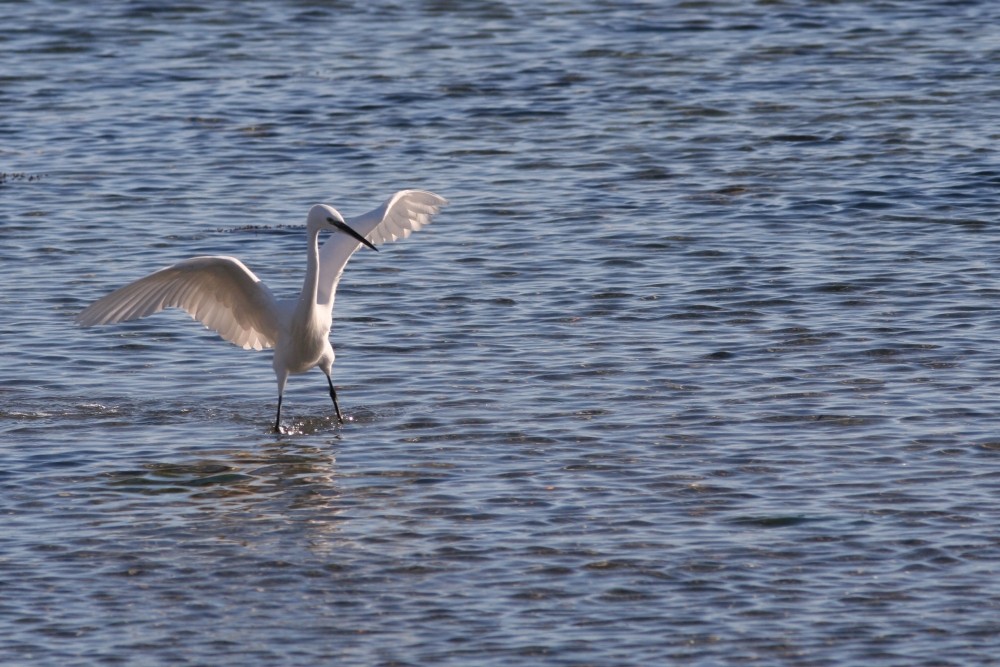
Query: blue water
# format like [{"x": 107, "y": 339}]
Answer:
[{"x": 698, "y": 368}]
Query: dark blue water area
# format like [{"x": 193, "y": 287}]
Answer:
[{"x": 698, "y": 367}]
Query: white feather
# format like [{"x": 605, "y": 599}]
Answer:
[
  {"x": 219, "y": 291},
  {"x": 402, "y": 214}
]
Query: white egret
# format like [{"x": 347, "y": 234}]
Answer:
[{"x": 226, "y": 296}]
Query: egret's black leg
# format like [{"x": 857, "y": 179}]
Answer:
[
  {"x": 333, "y": 395},
  {"x": 277, "y": 419}
]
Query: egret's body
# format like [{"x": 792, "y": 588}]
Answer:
[{"x": 226, "y": 296}]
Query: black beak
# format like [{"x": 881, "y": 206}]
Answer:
[{"x": 345, "y": 228}]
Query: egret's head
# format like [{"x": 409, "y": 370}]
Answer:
[{"x": 322, "y": 216}]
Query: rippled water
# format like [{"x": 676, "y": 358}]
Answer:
[{"x": 699, "y": 367}]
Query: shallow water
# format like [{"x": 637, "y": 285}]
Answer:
[{"x": 699, "y": 367}]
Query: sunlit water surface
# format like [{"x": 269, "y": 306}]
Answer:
[{"x": 699, "y": 367}]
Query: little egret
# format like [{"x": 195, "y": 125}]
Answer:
[{"x": 226, "y": 296}]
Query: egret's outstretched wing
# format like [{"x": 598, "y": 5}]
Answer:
[
  {"x": 220, "y": 291},
  {"x": 403, "y": 213}
]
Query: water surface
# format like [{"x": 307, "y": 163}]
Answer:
[{"x": 699, "y": 367}]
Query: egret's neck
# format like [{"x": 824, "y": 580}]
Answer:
[{"x": 310, "y": 286}]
